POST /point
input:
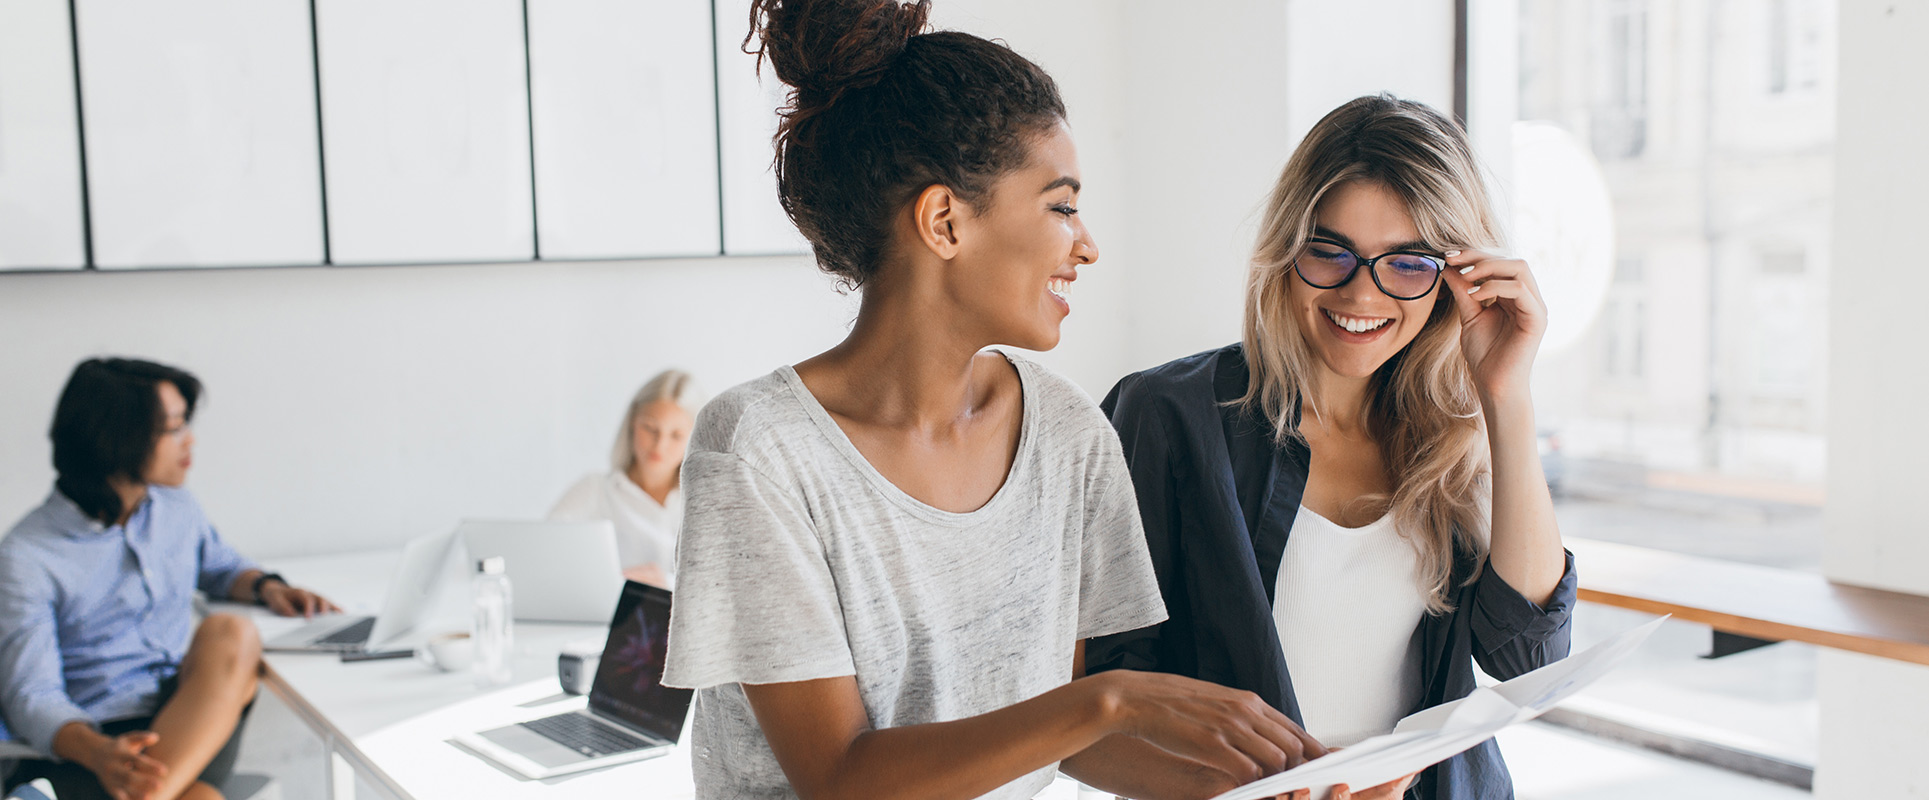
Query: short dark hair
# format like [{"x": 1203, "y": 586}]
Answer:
[
  {"x": 878, "y": 111},
  {"x": 106, "y": 426}
]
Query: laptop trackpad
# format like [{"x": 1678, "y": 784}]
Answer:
[{"x": 533, "y": 746}]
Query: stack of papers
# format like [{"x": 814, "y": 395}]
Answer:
[{"x": 1446, "y": 730}]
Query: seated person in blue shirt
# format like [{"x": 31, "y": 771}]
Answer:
[{"x": 101, "y": 666}]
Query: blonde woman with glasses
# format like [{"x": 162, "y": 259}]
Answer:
[
  {"x": 642, "y": 494},
  {"x": 1346, "y": 510}
]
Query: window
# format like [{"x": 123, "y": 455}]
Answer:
[
  {"x": 1691, "y": 409},
  {"x": 1796, "y": 49},
  {"x": 1621, "y": 79},
  {"x": 1705, "y": 357}
]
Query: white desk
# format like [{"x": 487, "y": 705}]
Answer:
[{"x": 390, "y": 722}]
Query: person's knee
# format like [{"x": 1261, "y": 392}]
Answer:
[
  {"x": 232, "y": 642},
  {"x": 232, "y": 629},
  {"x": 201, "y": 791}
]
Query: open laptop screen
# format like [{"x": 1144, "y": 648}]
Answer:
[{"x": 629, "y": 679}]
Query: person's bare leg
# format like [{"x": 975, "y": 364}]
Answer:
[{"x": 217, "y": 681}]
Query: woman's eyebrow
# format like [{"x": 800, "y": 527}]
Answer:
[
  {"x": 1063, "y": 180},
  {"x": 1324, "y": 232},
  {"x": 1328, "y": 233}
]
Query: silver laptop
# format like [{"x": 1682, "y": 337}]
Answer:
[
  {"x": 631, "y": 715},
  {"x": 421, "y": 572},
  {"x": 561, "y": 571}
]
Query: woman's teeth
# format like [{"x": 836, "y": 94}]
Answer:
[
  {"x": 1060, "y": 287},
  {"x": 1356, "y": 324}
]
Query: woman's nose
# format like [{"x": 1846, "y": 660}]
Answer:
[
  {"x": 1084, "y": 248},
  {"x": 1359, "y": 284}
]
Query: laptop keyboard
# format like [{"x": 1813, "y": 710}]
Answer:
[
  {"x": 352, "y": 634},
  {"x": 587, "y": 736}
]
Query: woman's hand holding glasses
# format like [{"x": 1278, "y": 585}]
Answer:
[{"x": 1502, "y": 320}]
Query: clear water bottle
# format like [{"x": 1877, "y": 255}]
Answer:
[{"x": 495, "y": 613}]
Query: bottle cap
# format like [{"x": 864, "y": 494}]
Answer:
[{"x": 490, "y": 566}]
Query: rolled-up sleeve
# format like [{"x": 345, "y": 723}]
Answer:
[
  {"x": 35, "y": 700},
  {"x": 1512, "y": 635},
  {"x": 220, "y": 564}
]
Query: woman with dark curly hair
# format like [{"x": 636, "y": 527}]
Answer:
[{"x": 894, "y": 550}]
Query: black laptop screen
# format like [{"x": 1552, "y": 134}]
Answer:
[{"x": 629, "y": 680}]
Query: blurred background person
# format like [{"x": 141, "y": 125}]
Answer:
[
  {"x": 103, "y": 667},
  {"x": 642, "y": 493}
]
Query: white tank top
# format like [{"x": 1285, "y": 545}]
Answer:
[{"x": 1347, "y": 604}]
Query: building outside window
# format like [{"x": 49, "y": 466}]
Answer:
[{"x": 1690, "y": 409}]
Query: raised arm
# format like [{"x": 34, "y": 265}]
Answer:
[
  {"x": 1502, "y": 321},
  {"x": 1526, "y": 542}
]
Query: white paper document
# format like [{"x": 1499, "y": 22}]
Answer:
[{"x": 1446, "y": 730}]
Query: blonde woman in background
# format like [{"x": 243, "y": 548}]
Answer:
[
  {"x": 1346, "y": 510},
  {"x": 642, "y": 493}
]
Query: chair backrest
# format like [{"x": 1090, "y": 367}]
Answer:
[
  {"x": 11, "y": 749},
  {"x": 37, "y": 789}
]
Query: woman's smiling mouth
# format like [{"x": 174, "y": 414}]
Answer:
[
  {"x": 1367, "y": 327},
  {"x": 1060, "y": 289}
]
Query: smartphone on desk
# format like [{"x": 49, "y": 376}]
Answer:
[{"x": 375, "y": 655}]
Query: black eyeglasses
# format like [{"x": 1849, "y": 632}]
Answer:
[{"x": 1402, "y": 274}]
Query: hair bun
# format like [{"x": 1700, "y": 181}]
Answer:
[{"x": 825, "y": 47}]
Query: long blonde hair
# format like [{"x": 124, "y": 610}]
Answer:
[
  {"x": 1422, "y": 408},
  {"x": 673, "y": 385}
]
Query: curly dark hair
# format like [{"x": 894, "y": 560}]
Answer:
[{"x": 879, "y": 110}]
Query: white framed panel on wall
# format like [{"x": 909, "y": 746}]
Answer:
[
  {"x": 753, "y": 222},
  {"x": 201, "y": 139},
  {"x": 41, "y": 207},
  {"x": 624, "y": 103},
  {"x": 425, "y": 124}
]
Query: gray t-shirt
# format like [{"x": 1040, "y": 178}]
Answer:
[{"x": 799, "y": 561}]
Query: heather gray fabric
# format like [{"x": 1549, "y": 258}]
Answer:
[{"x": 798, "y": 561}]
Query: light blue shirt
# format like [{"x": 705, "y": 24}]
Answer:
[{"x": 93, "y": 618}]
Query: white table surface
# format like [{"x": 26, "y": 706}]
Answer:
[{"x": 393, "y": 721}]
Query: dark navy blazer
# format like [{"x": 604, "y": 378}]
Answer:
[{"x": 1218, "y": 498}]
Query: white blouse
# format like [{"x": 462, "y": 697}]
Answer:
[
  {"x": 646, "y": 530},
  {"x": 1348, "y": 604}
]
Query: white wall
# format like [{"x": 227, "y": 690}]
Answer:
[
  {"x": 1204, "y": 149},
  {"x": 1875, "y": 714},
  {"x": 1877, "y": 429},
  {"x": 1340, "y": 51}
]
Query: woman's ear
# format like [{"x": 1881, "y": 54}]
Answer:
[{"x": 935, "y": 216}]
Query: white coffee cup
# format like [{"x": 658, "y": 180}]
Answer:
[{"x": 449, "y": 652}]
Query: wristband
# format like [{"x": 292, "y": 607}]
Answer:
[{"x": 262, "y": 580}]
